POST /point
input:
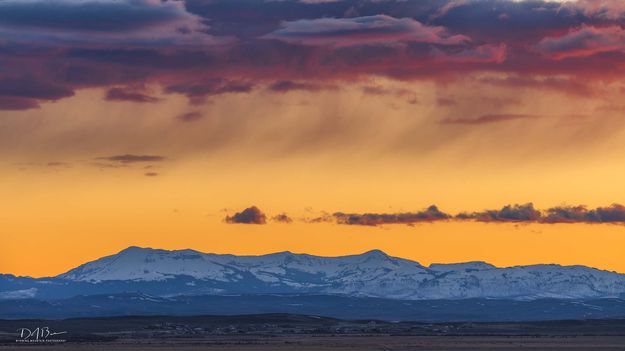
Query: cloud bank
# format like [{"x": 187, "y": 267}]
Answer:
[
  {"x": 513, "y": 213},
  {"x": 201, "y": 49}
]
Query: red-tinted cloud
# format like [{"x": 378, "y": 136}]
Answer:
[
  {"x": 584, "y": 41},
  {"x": 202, "y": 48},
  {"x": 606, "y": 9},
  {"x": 379, "y": 29}
]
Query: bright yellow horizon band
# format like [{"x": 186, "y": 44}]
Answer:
[{"x": 295, "y": 152}]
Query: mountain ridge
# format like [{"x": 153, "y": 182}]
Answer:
[
  {"x": 434, "y": 265},
  {"x": 370, "y": 274}
]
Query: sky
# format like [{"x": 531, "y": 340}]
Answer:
[{"x": 435, "y": 130}]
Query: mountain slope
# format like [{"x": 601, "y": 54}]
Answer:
[
  {"x": 320, "y": 305},
  {"x": 372, "y": 274}
]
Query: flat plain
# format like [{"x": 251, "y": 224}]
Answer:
[
  {"x": 311, "y": 333},
  {"x": 349, "y": 342}
]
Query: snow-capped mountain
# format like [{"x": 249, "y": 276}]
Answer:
[{"x": 371, "y": 274}]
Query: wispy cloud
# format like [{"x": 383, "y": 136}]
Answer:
[
  {"x": 190, "y": 116},
  {"x": 129, "y": 94},
  {"x": 282, "y": 218},
  {"x": 130, "y": 158},
  {"x": 483, "y": 119}
]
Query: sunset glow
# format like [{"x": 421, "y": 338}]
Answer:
[{"x": 153, "y": 128}]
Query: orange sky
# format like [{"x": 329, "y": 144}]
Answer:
[{"x": 303, "y": 153}]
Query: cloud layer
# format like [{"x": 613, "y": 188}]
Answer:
[
  {"x": 202, "y": 49},
  {"x": 513, "y": 213},
  {"x": 363, "y": 30}
]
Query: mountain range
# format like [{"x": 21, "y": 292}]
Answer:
[{"x": 373, "y": 274}]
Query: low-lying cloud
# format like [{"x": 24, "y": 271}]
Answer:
[
  {"x": 508, "y": 213},
  {"x": 282, "y": 218},
  {"x": 614, "y": 213},
  {"x": 512, "y": 213},
  {"x": 430, "y": 214},
  {"x": 250, "y": 215}
]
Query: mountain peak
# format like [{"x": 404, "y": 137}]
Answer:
[
  {"x": 147, "y": 250},
  {"x": 375, "y": 253},
  {"x": 135, "y": 249}
]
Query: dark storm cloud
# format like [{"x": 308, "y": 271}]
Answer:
[
  {"x": 512, "y": 21},
  {"x": 430, "y": 214},
  {"x": 31, "y": 87},
  {"x": 105, "y": 16},
  {"x": 201, "y": 48},
  {"x": 147, "y": 60},
  {"x": 250, "y": 215},
  {"x": 17, "y": 103}
]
